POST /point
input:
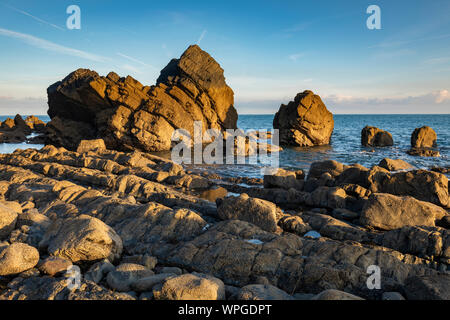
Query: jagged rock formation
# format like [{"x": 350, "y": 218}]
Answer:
[
  {"x": 304, "y": 122},
  {"x": 16, "y": 130},
  {"x": 130, "y": 116}
]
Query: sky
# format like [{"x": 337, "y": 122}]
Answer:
[{"x": 270, "y": 50}]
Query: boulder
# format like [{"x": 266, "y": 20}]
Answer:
[
  {"x": 388, "y": 212},
  {"x": 327, "y": 197},
  {"x": 285, "y": 179},
  {"x": 431, "y": 243},
  {"x": 144, "y": 284},
  {"x": 130, "y": 116},
  {"x": 214, "y": 193},
  {"x": 433, "y": 287},
  {"x": 16, "y": 258},
  {"x": 98, "y": 270},
  {"x": 54, "y": 265},
  {"x": 394, "y": 165},
  {"x": 334, "y": 168},
  {"x": 125, "y": 275},
  {"x": 35, "y": 124},
  {"x": 262, "y": 292},
  {"x": 8, "y": 219},
  {"x": 424, "y": 137},
  {"x": 97, "y": 145},
  {"x": 395, "y": 296},
  {"x": 48, "y": 288},
  {"x": 374, "y": 137},
  {"x": 33, "y": 217},
  {"x": 192, "y": 286},
  {"x": 421, "y": 184},
  {"x": 260, "y": 212},
  {"x": 294, "y": 224},
  {"x": 333, "y": 294},
  {"x": 304, "y": 122},
  {"x": 83, "y": 238}
]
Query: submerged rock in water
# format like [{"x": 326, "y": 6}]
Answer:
[
  {"x": 424, "y": 137},
  {"x": 304, "y": 122},
  {"x": 375, "y": 137},
  {"x": 423, "y": 152},
  {"x": 130, "y": 116}
]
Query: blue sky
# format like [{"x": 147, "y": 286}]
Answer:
[{"x": 270, "y": 50}]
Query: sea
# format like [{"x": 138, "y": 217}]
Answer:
[{"x": 345, "y": 144}]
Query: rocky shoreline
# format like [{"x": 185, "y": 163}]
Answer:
[
  {"x": 95, "y": 215},
  {"x": 140, "y": 227}
]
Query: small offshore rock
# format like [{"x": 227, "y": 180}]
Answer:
[
  {"x": 424, "y": 137},
  {"x": 375, "y": 137}
]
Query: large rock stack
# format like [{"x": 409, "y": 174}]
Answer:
[
  {"x": 304, "y": 122},
  {"x": 130, "y": 116}
]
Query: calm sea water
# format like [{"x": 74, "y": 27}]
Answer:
[{"x": 345, "y": 144}]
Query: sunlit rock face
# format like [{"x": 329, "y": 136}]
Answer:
[
  {"x": 304, "y": 122},
  {"x": 130, "y": 116}
]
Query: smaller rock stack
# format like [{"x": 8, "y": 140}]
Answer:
[
  {"x": 422, "y": 141},
  {"x": 16, "y": 130},
  {"x": 304, "y": 122}
]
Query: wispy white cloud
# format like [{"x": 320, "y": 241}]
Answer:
[
  {"x": 34, "y": 17},
  {"x": 426, "y": 99},
  {"x": 297, "y": 27},
  {"x": 294, "y": 57},
  {"x": 51, "y": 46},
  {"x": 437, "y": 60},
  {"x": 201, "y": 37}
]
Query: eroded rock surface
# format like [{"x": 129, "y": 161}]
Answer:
[
  {"x": 375, "y": 137},
  {"x": 78, "y": 206},
  {"x": 304, "y": 122},
  {"x": 130, "y": 116}
]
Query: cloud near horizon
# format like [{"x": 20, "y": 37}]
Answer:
[
  {"x": 339, "y": 104},
  {"x": 430, "y": 103}
]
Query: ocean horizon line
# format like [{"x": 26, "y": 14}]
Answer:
[{"x": 269, "y": 114}]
